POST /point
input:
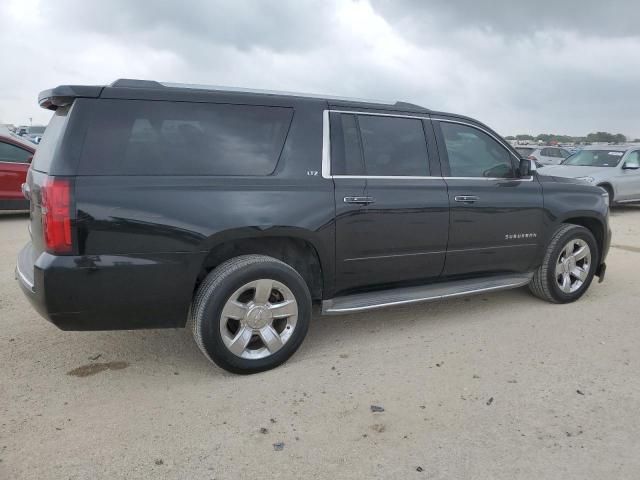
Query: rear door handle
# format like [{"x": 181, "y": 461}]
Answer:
[
  {"x": 466, "y": 198},
  {"x": 359, "y": 200}
]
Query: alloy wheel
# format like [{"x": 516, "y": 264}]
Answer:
[
  {"x": 573, "y": 265},
  {"x": 258, "y": 319}
]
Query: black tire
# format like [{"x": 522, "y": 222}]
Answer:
[
  {"x": 544, "y": 284},
  {"x": 609, "y": 191},
  {"x": 216, "y": 290}
]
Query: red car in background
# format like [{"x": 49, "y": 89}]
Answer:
[{"x": 15, "y": 159}]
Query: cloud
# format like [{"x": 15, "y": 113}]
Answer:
[{"x": 535, "y": 67}]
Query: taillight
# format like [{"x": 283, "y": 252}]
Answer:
[{"x": 56, "y": 215}]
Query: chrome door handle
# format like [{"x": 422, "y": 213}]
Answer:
[
  {"x": 358, "y": 200},
  {"x": 466, "y": 198}
]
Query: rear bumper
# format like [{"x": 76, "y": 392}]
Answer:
[{"x": 108, "y": 292}]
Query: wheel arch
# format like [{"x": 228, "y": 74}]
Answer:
[
  {"x": 608, "y": 186},
  {"x": 294, "y": 246},
  {"x": 594, "y": 225}
]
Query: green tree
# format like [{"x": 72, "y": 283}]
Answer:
[
  {"x": 606, "y": 137},
  {"x": 524, "y": 136}
]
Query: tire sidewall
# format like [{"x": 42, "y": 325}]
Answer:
[
  {"x": 573, "y": 234},
  {"x": 211, "y": 316}
]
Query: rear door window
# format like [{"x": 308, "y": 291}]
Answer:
[
  {"x": 393, "y": 146},
  {"x": 346, "y": 150},
  {"x": 135, "y": 137}
]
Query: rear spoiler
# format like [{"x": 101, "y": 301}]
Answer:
[{"x": 65, "y": 95}]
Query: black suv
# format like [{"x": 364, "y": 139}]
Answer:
[{"x": 160, "y": 205}]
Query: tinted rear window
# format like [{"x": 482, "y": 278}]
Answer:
[
  {"x": 53, "y": 134},
  {"x": 135, "y": 137}
]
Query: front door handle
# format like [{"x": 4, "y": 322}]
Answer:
[
  {"x": 466, "y": 198},
  {"x": 358, "y": 200}
]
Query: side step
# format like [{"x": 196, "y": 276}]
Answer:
[{"x": 425, "y": 293}]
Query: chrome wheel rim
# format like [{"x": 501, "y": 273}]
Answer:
[
  {"x": 573, "y": 265},
  {"x": 258, "y": 319}
]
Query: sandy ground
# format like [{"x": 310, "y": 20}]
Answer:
[{"x": 498, "y": 386}]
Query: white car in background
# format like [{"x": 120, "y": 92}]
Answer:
[
  {"x": 543, "y": 155},
  {"x": 616, "y": 168}
]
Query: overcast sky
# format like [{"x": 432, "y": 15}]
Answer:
[{"x": 561, "y": 66}]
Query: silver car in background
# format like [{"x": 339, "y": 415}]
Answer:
[
  {"x": 616, "y": 168},
  {"x": 543, "y": 155}
]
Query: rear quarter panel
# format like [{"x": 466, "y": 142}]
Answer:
[{"x": 176, "y": 220}]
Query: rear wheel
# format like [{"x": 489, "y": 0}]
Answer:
[
  {"x": 568, "y": 266},
  {"x": 251, "y": 313}
]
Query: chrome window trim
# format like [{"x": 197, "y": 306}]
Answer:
[
  {"x": 388, "y": 177},
  {"x": 505, "y": 179},
  {"x": 326, "y": 147},
  {"x": 326, "y": 150}
]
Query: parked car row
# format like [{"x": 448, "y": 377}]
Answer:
[
  {"x": 613, "y": 167},
  {"x": 544, "y": 155},
  {"x": 33, "y": 133}
]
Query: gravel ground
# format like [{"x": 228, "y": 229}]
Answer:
[{"x": 494, "y": 386}]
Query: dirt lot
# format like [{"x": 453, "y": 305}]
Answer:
[{"x": 494, "y": 386}]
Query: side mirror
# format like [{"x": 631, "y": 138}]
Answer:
[
  {"x": 526, "y": 167},
  {"x": 627, "y": 166}
]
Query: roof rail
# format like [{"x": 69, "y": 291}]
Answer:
[
  {"x": 411, "y": 105},
  {"x": 133, "y": 83}
]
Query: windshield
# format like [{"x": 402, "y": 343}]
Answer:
[{"x": 594, "y": 158}]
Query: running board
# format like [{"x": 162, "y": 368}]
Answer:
[{"x": 361, "y": 302}]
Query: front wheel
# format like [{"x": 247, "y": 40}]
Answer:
[
  {"x": 251, "y": 313},
  {"x": 568, "y": 266}
]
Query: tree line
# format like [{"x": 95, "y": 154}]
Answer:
[{"x": 590, "y": 138}]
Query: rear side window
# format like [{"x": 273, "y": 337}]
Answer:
[
  {"x": 12, "y": 154},
  {"x": 378, "y": 146},
  {"x": 135, "y": 137},
  {"x": 346, "y": 150}
]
